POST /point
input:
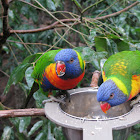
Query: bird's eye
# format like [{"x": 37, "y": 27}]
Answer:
[
  {"x": 111, "y": 95},
  {"x": 71, "y": 60}
]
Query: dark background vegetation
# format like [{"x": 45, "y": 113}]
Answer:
[{"x": 96, "y": 28}]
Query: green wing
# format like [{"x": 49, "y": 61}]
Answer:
[
  {"x": 45, "y": 60},
  {"x": 124, "y": 63},
  {"x": 135, "y": 63}
]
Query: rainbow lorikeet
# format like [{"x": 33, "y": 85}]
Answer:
[
  {"x": 121, "y": 76},
  {"x": 59, "y": 69}
]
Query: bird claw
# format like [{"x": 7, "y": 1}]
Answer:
[
  {"x": 53, "y": 99},
  {"x": 137, "y": 100}
]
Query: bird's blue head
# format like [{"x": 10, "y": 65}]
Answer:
[
  {"x": 69, "y": 63},
  {"x": 110, "y": 95}
]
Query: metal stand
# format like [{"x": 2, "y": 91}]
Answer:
[{"x": 96, "y": 129}]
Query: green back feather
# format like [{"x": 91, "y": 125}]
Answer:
[{"x": 122, "y": 66}]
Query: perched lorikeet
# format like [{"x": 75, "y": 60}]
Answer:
[
  {"x": 59, "y": 69},
  {"x": 121, "y": 76}
]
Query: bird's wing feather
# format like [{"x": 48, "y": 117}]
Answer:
[{"x": 45, "y": 60}]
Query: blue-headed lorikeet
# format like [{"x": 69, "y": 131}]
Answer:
[
  {"x": 59, "y": 69},
  {"x": 121, "y": 76}
]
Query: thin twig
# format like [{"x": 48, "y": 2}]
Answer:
[
  {"x": 67, "y": 12},
  {"x": 117, "y": 13},
  {"x": 4, "y": 107},
  {"x": 32, "y": 5},
  {"x": 101, "y": 23},
  {"x": 79, "y": 8},
  {"x": 62, "y": 37},
  {"x": 42, "y": 44},
  {"x": 23, "y": 43},
  {"x": 107, "y": 8},
  {"x": 22, "y": 112},
  {"x": 91, "y": 6},
  {"x": 4, "y": 73},
  {"x": 13, "y": 53}
]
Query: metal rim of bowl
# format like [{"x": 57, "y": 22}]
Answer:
[{"x": 98, "y": 119}]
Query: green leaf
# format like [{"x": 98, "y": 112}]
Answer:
[
  {"x": 112, "y": 46},
  {"x": 11, "y": 14},
  {"x": 89, "y": 55},
  {"x": 137, "y": 30},
  {"x": 95, "y": 63},
  {"x": 100, "y": 44},
  {"x": 19, "y": 46},
  {"x": 112, "y": 36},
  {"x": 51, "y": 5},
  {"x": 77, "y": 3},
  {"x": 6, "y": 49},
  {"x": 96, "y": 58},
  {"x": 24, "y": 123},
  {"x": 16, "y": 76},
  {"x": 15, "y": 122},
  {"x": 92, "y": 35},
  {"x": 31, "y": 58},
  {"x": 57, "y": 3},
  {"x": 7, "y": 133},
  {"x": 25, "y": 88},
  {"x": 40, "y": 136},
  {"x": 35, "y": 127},
  {"x": 122, "y": 45},
  {"x": 39, "y": 97},
  {"x": 49, "y": 137},
  {"x": 28, "y": 77},
  {"x": 19, "y": 72}
]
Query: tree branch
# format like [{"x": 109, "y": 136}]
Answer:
[
  {"x": 22, "y": 112},
  {"x": 117, "y": 13},
  {"x": 95, "y": 78},
  {"x": 6, "y": 32},
  {"x": 58, "y": 25},
  {"x": 52, "y": 26}
]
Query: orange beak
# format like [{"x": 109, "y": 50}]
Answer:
[
  {"x": 60, "y": 68},
  {"x": 105, "y": 107}
]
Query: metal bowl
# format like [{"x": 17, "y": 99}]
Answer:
[{"x": 84, "y": 106}]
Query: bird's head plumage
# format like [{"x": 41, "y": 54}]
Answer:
[
  {"x": 69, "y": 64},
  {"x": 110, "y": 95}
]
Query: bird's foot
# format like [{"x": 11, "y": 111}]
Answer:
[
  {"x": 53, "y": 99},
  {"x": 137, "y": 100},
  {"x": 62, "y": 94}
]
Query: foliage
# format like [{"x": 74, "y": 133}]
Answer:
[
  {"x": 95, "y": 39},
  {"x": 43, "y": 129}
]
